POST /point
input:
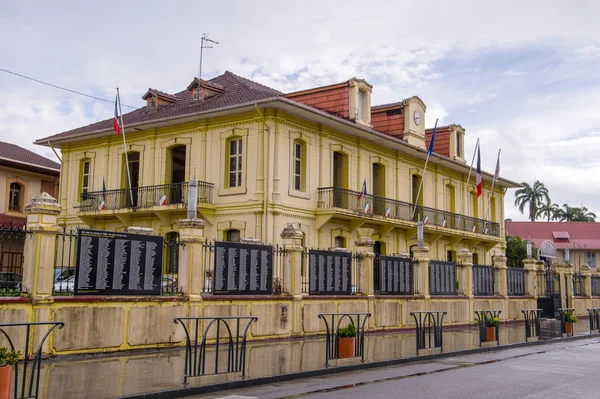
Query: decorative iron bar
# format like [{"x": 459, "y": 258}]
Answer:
[
  {"x": 304, "y": 273},
  {"x": 332, "y": 330},
  {"x": 442, "y": 278},
  {"x": 567, "y": 327},
  {"x": 234, "y": 341},
  {"x": 144, "y": 197},
  {"x": 64, "y": 262},
  {"x": 12, "y": 245},
  {"x": 429, "y": 328},
  {"x": 594, "y": 319},
  {"x": 208, "y": 262},
  {"x": 595, "y": 285},
  {"x": 532, "y": 323},
  {"x": 481, "y": 318},
  {"x": 370, "y": 205},
  {"x": 280, "y": 260},
  {"x": 169, "y": 285},
  {"x": 393, "y": 275},
  {"x": 26, "y": 376},
  {"x": 515, "y": 277},
  {"x": 356, "y": 288},
  {"x": 577, "y": 285},
  {"x": 483, "y": 280}
]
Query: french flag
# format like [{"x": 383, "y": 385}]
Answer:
[
  {"x": 363, "y": 190},
  {"x": 116, "y": 125},
  {"x": 478, "y": 173}
]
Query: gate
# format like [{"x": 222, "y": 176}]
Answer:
[{"x": 549, "y": 299}]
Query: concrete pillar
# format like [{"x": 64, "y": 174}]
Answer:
[
  {"x": 500, "y": 268},
  {"x": 366, "y": 270},
  {"x": 464, "y": 265},
  {"x": 421, "y": 271},
  {"x": 530, "y": 267},
  {"x": 586, "y": 280},
  {"x": 292, "y": 242},
  {"x": 38, "y": 263},
  {"x": 191, "y": 273}
]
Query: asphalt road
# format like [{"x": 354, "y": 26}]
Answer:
[{"x": 558, "y": 370}]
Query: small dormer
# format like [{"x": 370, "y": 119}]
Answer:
[
  {"x": 202, "y": 90},
  {"x": 457, "y": 142},
  {"x": 360, "y": 101},
  {"x": 156, "y": 99}
]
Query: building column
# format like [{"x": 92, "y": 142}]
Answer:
[
  {"x": 568, "y": 282},
  {"x": 292, "y": 242},
  {"x": 464, "y": 265},
  {"x": 364, "y": 247},
  {"x": 530, "y": 266},
  {"x": 421, "y": 271},
  {"x": 586, "y": 280},
  {"x": 39, "y": 251},
  {"x": 500, "y": 268},
  {"x": 190, "y": 273}
]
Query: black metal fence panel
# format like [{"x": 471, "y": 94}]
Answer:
[
  {"x": 331, "y": 272},
  {"x": 64, "y": 262},
  {"x": 442, "y": 278},
  {"x": 393, "y": 276},
  {"x": 515, "y": 277},
  {"x": 483, "y": 280},
  {"x": 280, "y": 265},
  {"x": 168, "y": 284},
  {"x": 12, "y": 246},
  {"x": 242, "y": 269}
]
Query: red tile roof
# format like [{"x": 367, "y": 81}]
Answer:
[
  {"x": 238, "y": 90},
  {"x": 389, "y": 121},
  {"x": 12, "y": 152},
  {"x": 159, "y": 93},
  {"x": 442, "y": 140},
  {"x": 333, "y": 99},
  {"x": 582, "y": 235}
]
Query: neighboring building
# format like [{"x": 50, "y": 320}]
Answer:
[
  {"x": 264, "y": 159},
  {"x": 23, "y": 175},
  {"x": 582, "y": 239}
]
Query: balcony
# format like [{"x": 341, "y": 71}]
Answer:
[
  {"x": 388, "y": 209},
  {"x": 164, "y": 196}
]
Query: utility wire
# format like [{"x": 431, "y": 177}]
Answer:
[{"x": 63, "y": 88}]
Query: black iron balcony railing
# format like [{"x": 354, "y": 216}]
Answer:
[
  {"x": 144, "y": 197},
  {"x": 371, "y": 205}
]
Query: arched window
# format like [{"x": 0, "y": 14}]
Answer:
[
  {"x": 233, "y": 235},
  {"x": 299, "y": 165},
  {"x": 16, "y": 197}
]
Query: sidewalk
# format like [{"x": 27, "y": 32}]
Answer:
[{"x": 140, "y": 372}]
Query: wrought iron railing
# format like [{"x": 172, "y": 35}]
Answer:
[
  {"x": 442, "y": 278},
  {"x": 595, "y": 285},
  {"x": 483, "y": 280},
  {"x": 515, "y": 277},
  {"x": 12, "y": 246},
  {"x": 371, "y": 205},
  {"x": 144, "y": 197}
]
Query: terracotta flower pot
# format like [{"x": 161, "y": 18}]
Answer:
[
  {"x": 568, "y": 327},
  {"x": 490, "y": 334},
  {"x": 346, "y": 347},
  {"x": 5, "y": 380}
]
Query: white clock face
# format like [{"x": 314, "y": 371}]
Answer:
[{"x": 417, "y": 117}]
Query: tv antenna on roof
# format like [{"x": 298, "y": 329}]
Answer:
[{"x": 202, "y": 47}]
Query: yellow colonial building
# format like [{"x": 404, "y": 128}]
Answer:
[{"x": 264, "y": 159}]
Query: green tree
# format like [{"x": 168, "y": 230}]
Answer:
[
  {"x": 548, "y": 211},
  {"x": 516, "y": 251},
  {"x": 565, "y": 213},
  {"x": 582, "y": 215},
  {"x": 532, "y": 196}
]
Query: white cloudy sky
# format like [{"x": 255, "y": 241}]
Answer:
[{"x": 523, "y": 76}]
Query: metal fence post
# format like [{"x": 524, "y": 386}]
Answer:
[
  {"x": 191, "y": 273},
  {"x": 42, "y": 215}
]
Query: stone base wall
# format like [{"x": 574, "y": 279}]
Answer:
[{"x": 106, "y": 324}]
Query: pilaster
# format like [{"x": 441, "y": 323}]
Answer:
[
  {"x": 500, "y": 270},
  {"x": 586, "y": 280},
  {"x": 464, "y": 265},
  {"x": 191, "y": 274},
  {"x": 530, "y": 266},
  {"x": 421, "y": 271},
  {"x": 364, "y": 248}
]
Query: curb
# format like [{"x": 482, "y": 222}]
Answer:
[{"x": 226, "y": 386}]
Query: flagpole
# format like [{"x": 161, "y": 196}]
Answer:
[
  {"x": 462, "y": 203},
  {"x": 424, "y": 170},
  {"x": 125, "y": 149},
  {"x": 493, "y": 184}
]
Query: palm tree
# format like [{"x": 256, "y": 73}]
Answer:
[
  {"x": 582, "y": 215},
  {"x": 566, "y": 213},
  {"x": 533, "y": 196},
  {"x": 547, "y": 211}
]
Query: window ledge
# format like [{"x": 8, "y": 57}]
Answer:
[
  {"x": 298, "y": 194},
  {"x": 232, "y": 191}
]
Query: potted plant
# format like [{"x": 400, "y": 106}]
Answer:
[
  {"x": 346, "y": 341},
  {"x": 491, "y": 323},
  {"x": 570, "y": 318},
  {"x": 7, "y": 360}
]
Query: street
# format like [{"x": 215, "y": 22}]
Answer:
[{"x": 558, "y": 370}]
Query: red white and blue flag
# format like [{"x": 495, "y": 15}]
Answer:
[
  {"x": 116, "y": 125},
  {"x": 478, "y": 173},
  {"x": 363, "y": 190},
  {"x": 103, "y": 203},
  {"x": 388, "y": 212}
]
